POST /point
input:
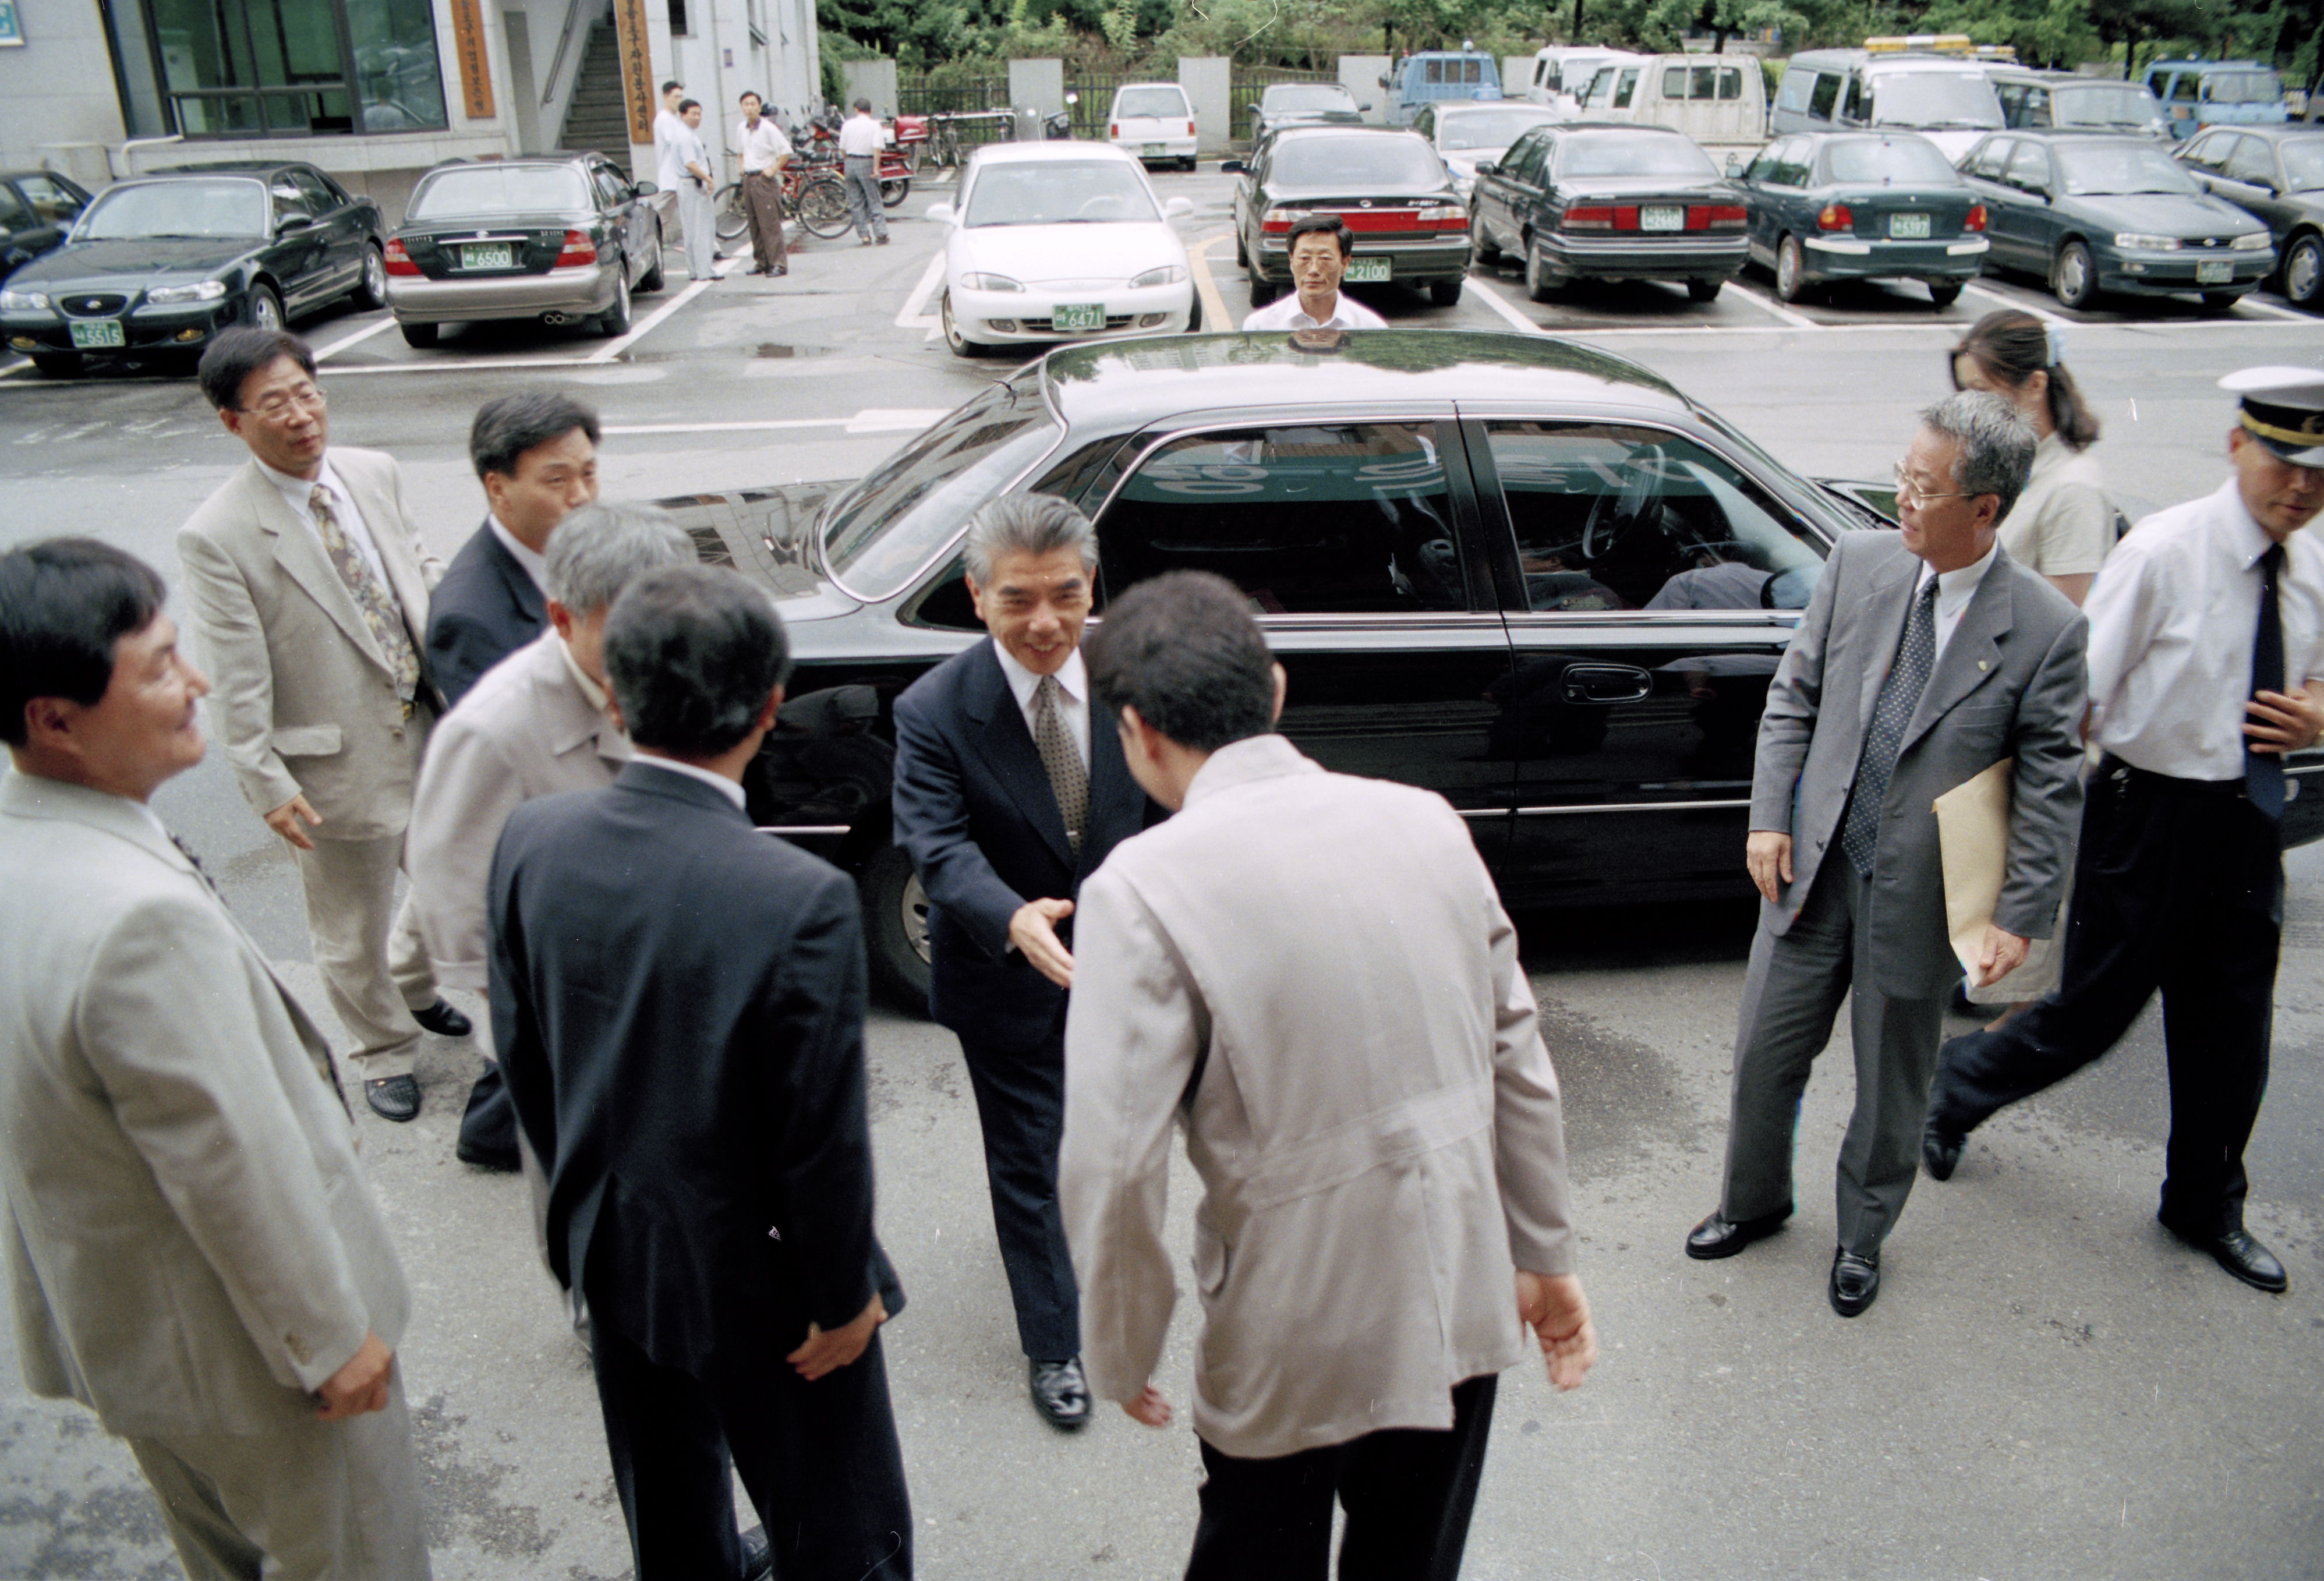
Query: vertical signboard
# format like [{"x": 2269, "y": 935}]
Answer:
[
  {"x": 636, "y": 68},
  {"x": 475, "y": 68}
]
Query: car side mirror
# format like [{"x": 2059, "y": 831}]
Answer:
[
  {"x": 1176, "y": 206},
  {"x": 1486, "y": 167},
  {"x": 1232, "y": 167},
  {"x": 645, "y": 189},
  {"x": 940, "y": 210},
  {"x": 1367, "y": 109},
  {"x": 294, "y": 222}
]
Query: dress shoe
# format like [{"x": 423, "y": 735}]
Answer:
[
  {"x": 758, "y": 1555},
  {"x": 778, "y": 270},
  {"x": 500, "y": 1161},
  {"x": 444, "y": 1020},
  {"x": 1718, "y": 1236},
  {"x": 393, "y": 1098},
  {"x": 2236, "y": 1252},
  {"x": 882, "y": 241},
  {"x": 1060, "y": 1393},
  {"x": 1855, "y": 1282},
  {"x": 1940, "y": 1150}
]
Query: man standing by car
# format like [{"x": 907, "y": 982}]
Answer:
[
  {"x": 764, "y": 151},
  {"x": 669, "y": 170},
  {"x": 858, "y": 166},
  {"x": 694, "y": 188},
  {"x": 1006, "y": 797},
  {"x": 1320, "y": 247}
]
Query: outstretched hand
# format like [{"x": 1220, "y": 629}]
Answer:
[
  {"x": 1033, "y": 929},
  {"x": 1552, "y": 1306}
]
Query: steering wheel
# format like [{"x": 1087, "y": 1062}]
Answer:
[
  {"x": 1104, "y": 205},
  {"x": 1612, "y": 514}
]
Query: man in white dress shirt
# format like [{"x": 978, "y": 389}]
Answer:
[
  {"x": 764, "y": 151},
  {"x": 693, "y": 186},
  {"x": 1320, "y": 247},
  {"x": 2207, "y": 666},
  {"x": 859, "y": 139},
  {"x": 669, "y": 170}
]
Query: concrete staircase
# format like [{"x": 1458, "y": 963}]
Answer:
[{"x": 596, "y": 119}]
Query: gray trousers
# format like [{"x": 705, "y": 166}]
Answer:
[
  {"x": 1791, "y": 998},
  {"x": 699, "y": 225},
  {"x": 315, "y": 1503},
  {"x": 374, "y": 965},
  {"x": 861, "y": 173}
]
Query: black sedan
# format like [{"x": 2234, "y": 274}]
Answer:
[
  {"x": 1304, "y": 104},
  {"x": 1594, "y": 200},
  {"x": 1858, "y": 206},
  {"x": 2104, "y": 214},
  {"x": 1390, "y": 188},
  {"x": 157, "y": 266},
  {"x": 2275, "y": 173},
  {"x": 37, "y": 207}
]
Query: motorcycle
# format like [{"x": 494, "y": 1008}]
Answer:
[{"x": 1059, "y": 127}]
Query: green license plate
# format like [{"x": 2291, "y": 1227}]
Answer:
[
  {"x": 1366, "y": 271},
  {"x": 1077, "y": 315},
  {"x": 487, "y": 255},
  {"x": 95, "y": 336},
  {"x": 2219, "y": 273},
  {"x": 1151, "y": 150},
  {"x": 1909, "y": 228}
]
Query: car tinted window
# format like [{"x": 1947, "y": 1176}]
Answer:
[
  {"x": 13, "y": 214},
  {"x": 1991, "y": 158},
  {"x": 2303, "y": 164},
  {"x": 888, "y": 526},
  {"x": 2120, "y": 168},
  {"x": 2183, "y": 87},
  {"x": 1825, "y": 96},
  {"x": 485, "y": 190},
  {"x": 176, "y": 208},
  {"x": 1961, "y": 99},
  {"x": 2241, "y": 87},
  {"x": 1496, "y": 128},
  {"x": 1151, "y": 101},
  {"x": 1361, "y": 159},
  {"x": 1888, "y": 159},
  {"x": 289, "y": 198},
  {"x": 1631, "y": 153},
  {"x": 1332, "y": 519},
  {"x": 1626, "y": 87},
  {"x": 2107, "y": 103},
  {"x": 1096, "y": 192},
  {"x": 2029, "y": 167},
  {"x": 320, "y": 199},
  {"x": 54, "y": 203},
  {"x": 2252, "y": 162},
  {"x": 1611, "y": 517},
  {"x": 2209, "y": 150},
  {"x": 1794, "y": 91},
  {"x": 611, "y": 191}
]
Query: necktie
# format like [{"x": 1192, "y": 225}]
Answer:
[
  {"x": 372, "y": 597},
  {"x": 1068, "y": 776},
  {"x": 200, "y": 871},
  {"x": 2263, "y": 771},
  {"x": 1900, "y": 694}
]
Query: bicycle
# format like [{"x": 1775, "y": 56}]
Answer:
[{"x": 815, "y": 197}]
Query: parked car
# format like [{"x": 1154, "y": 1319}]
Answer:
[
  {"x": 2196, "y": 94},
  {"x": 37, "y": 207},
  {"x": 1435, "y": 75},
  {"x": 1390, "y": 188},
  {"x": 1562, "y": 74},
  {"x": 1153, "y": 121},
  {"x": 1720, "y": 101},
  {"x": 1061, "y": 240},
  {"x": 1584, "y": 201},
  {"x": 1465, "y": 133},
  {"x": 1304, "y": 104},
  {"x": 2275, "y": 173},
  {"x": 1860, "y": 206},
  {"x": 1946, "y": 97},
  {"x": 557, "y": 237},
  {"x": 2041, "y": 99},
  {"x": 2095, "y": 214},
  {"x": 156, "y": 267}
]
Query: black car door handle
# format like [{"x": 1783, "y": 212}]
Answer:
[{"x": 1605, "y": 683}]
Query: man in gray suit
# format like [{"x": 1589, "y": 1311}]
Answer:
[
  {"x": 194, "y": 1252},
  {"x": 1925, "y": 657},
  {"x": 309, "y": 587}
]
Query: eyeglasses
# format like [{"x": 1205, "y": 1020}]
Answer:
[
  {"x": 1909, "y": 493},
  {"x": 275, "y": 408}
]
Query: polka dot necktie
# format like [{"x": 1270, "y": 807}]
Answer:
[{"x": 1068, "y": 775}]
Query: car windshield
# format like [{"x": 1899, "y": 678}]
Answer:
[
  {"x": 2241, "y": 87},
  {"x": 489, "y": 189},
  {"x": 1486, "y": 129},
  {"x": 2304, "y": 163},
  {"x": 1291, "y": 98},
  {"x": 2120, "y": 169},
  {"x": 2105, "y": 105},
  {"x": 1151, "y": 101},
  {"x": 1890, "y": 160},
  {"x": 1362, "y": 160},
  {"x": 885, "y": 529},
  {"x": 1632, "y": 153},
  {"x": 176, "y": 208},
  {"x": 1961, "y": 99},
  {"x": 1058, "y": 192}
]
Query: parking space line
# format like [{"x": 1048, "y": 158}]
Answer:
[
  {"x": 2272, "y": 312},
  {"x": 915, "y": 314},
  {"x": 2043, "y": 313},
  {"x": 434, "y": 366},
  {"x": 1214, "y": 306},
  {"x": 638, "y": 331},
  {"x": 1500, "y": 304},
  {"x": 341, "y": 345},
  {"x": 1799, "y": 320}
]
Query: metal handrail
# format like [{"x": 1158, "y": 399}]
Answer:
[{"x": 564, "y": 43}]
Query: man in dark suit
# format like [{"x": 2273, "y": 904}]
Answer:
[
  {"x": 1006, "y": 800},
  {"x": 536, "y": 454},
  {"x": 679, "y": 1001}
]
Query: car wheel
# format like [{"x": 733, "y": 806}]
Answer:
[
  {"x": 1486, "y": 251},
  {"x": 58, "y": 364},
  {"x": 420, "y": 335},
  {"x": 1194, "y": 315},
  {"x": 615, "y": 320},
  {"x": 1944, "y": 292},
  {"x": 2303, "y": 271},
  {"x": 1242, "y": 254},
  {"x": 651, "y": 280},
  {"x": 1445, "y": 293},
  {"x": 1263, "y": 291},
  {"x": 1191, "y": 163},
  {"x": 1541, "y": 285},
  {"x": 1703, "y": 290},
  {"x": 896, "y": 928},
  {"x": 371, "y": 294},
  {"x": 2074, "y": 281},
  {"x": 1791, "y": 269},
  {"x": 961, "y": 345},
  {"x": 265, "y": 310}
]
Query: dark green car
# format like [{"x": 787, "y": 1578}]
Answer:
[
  {"x": 1829, "y": 206},
  {"x": 2276, "y": 174}
]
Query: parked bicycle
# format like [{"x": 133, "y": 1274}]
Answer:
[{"x": 813, "y": 197}]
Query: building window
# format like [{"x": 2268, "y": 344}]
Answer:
[
  {"x": 297, "y": 67},
  {"x": 677, "y": 25}
]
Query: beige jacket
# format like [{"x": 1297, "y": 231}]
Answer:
[
  {"x": 192, "y": 1247},
  {"x": 525, "y": 729},
  {"x": 1376, "y": 1122},
  {"x": 305, "y": 701}
]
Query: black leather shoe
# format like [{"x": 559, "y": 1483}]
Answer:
[
  {"x": 1717, "y": 1237},
  {"x": 499, "y": 1160},
  {"x": 758, "y": 1556},
  {"x": 2236, "y": 1252},
  {"x": 1855, "y": 1282},
  {"x": 444, "y": 1020},
  {"x": 1940, "y": 1150},
  {"x": 1060, "y": 1393},
  {"x": 393, "y": 1098}
]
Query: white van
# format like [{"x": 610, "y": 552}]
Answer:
[
  {"x": 1718, "y": 100},
  {"x": 1153, "y": 120},
  {"x": 1561, "y": 73}
]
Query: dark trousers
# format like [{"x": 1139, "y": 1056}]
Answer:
[
  {"x": 488, "y": 1126},
  {"x": 1020, "y": 1102},
  {"x": 819, "y": 1460},
  {"x": 1408, "y": 1493},
  {"x": 762, "y": 205},
  {"x": 2178, "y": 887}
]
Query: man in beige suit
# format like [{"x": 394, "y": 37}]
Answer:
[
  {"x": 194, "y": 1253},
  {"x": 1312, "y": 973},
  {"x": 535, "y": 723},
  {"x": 310, "y": 588}
]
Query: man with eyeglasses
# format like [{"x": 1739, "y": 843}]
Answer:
[
  {"x": 1924, "y": 657},
  {"x": 310, "y": 588}
]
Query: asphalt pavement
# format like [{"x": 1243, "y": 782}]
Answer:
[{"x": 2049, "y": 1386}]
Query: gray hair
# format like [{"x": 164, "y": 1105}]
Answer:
[
  {"x": 1997, "y": 444},
  {"x": 1027, "y": 524},
  {"x": 598, "y": 550}
]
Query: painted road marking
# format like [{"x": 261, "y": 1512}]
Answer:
[
  {"x": 645, "y": 326},
  {"x": 1500, "y": 304},
  {"x": 915, "y": 314},
  {"x": 360, "y": 336},
  {"x": 2043, "y": 313},
  {"x": 1214, "y": 306},
  {"x": 1799, "y": 320}
]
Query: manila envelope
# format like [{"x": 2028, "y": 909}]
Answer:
[{"x": 1973, "y": 839}]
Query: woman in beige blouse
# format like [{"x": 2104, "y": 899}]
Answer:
[{"x": 2063, "y": 523}]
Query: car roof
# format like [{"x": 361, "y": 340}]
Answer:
[
  {"x": 1300, "y": 132},
  {"x": 1134, "y": 382},
  {"x": 2072, "y": 134},
  {"x": 1883, "y": 58},
  {"x": 557, "y": 157},
  {"x": 2279, "y": 132},
  {"x": 1655, "y": 127},
  {"x": 1023, "y": 153},
  {"x": 229, "y": 167},
  {"x": 1447, "y": 108}
]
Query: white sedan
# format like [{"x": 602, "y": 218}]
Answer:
[
  {"x": 1059, "y": 242},
  {"x": 1465, "y": 133}
]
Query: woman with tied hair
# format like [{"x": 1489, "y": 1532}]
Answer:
[{"x": 2063, "y": 523}]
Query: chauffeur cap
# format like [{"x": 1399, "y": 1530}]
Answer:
[{"x": 2283, "y": 410}]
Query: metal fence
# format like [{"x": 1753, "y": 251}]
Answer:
[
  {"x": 1249, "y": 82},
  {"x": 963, "y": 113},
  {"x": 1096, "y": 90}
]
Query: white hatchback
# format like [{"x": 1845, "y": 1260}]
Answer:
[
  {"x": 1059, "y": 242},
  {"x": 1153, "y": 121}
]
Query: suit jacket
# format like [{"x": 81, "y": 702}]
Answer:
[
  {"x": 1314, "y": 972},
  {"x": 677, "y": 1001},
  {"x": 973, "y": 807},
  {"x": 486, "y": 608},
  {"x": 2009, "y": 684},
  {"x": 526, "y": 730},
  {"x": 305, "y": 701},
  {"x": 191, "y": 1245}
]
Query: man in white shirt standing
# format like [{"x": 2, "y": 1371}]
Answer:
[
  {"x": 668, "y": 169},
  {"x": 1320, "y": 247},
  {"x": 858, "y": 166},
  {"x": 694, "y": 187},
  {"x": 2206, "y": 666},
  {"x": 764, "y": 151}
]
